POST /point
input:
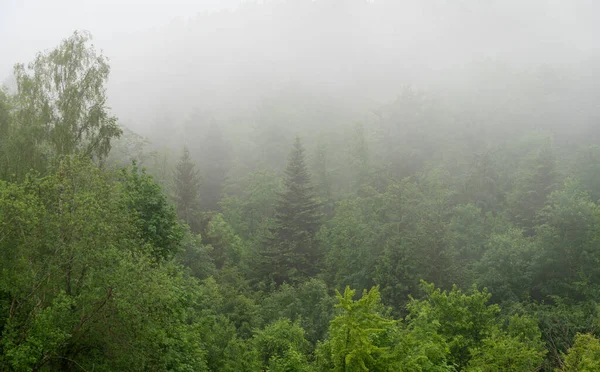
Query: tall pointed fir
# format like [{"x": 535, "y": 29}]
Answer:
[
  {"x": 186, "y": 183},
  {"x": 290, "y": 252}
]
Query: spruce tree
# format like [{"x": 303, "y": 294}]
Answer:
[
  {"x": 359, "y": 159},
  {"x": 290, "y": 252},
  {"x": 213, "y": 164},
  {"x": 186, "y": 183}
]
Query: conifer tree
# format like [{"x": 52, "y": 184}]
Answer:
[
  {"x": 359, "y": 159},
  {"x": 290, "y": 252},
  {"x": 186, "y": 184},
  {"x": 213, "y": 164},
  {"x": 323, "y": 180}
]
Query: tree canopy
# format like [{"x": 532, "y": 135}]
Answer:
[{"x": 397, "y": 240}]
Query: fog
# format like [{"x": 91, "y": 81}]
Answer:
[
  {"x": 204, "y": 205},
  {"x": 226, "y": 58}
]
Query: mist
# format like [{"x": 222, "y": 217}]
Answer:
[
  {"x": 429, "y": 82},
  {"x": 356, "y": 53},
  {"x": 227, "y": 57},
  {"x": 299, "y": 185}
]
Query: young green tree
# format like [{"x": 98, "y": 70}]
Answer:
[
  {"x": 290, "y": 252},
  {"x": 464, "y": 319},
  {"x": 226, "y": 246},
  {"x": 354, "y": 335},
  {"x": 583, "y": 356},
  {"x": 154, "y": 216},
  {"x": 474, "y": 332},
  {"x": 519, "y": 349},
  {"x": 281, "y": 346},
  {"x": 213, "y": 164},
  {"x": 80, "y": 287},
  {"x": 61, "y": 103},
  {"x": 186, "y": 185}
]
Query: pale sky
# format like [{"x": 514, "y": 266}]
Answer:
[
  {"x": 341, "y": 48},
  {"x": 29, "y": 26}
]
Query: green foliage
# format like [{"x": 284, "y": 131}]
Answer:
[
  {"x": 469, "y": 229},
  {"x": 61, "y": 105},
  {"x": 229, "y": 297},
  {"x": 81, "y": 286},
  {"x": 213, "y": 164},
  {"x": 253, "y": 202},
  {"x": 226, "y": 247},
  {"x": 154, "y": 216},
  {"x": 196, "y": 256},
  {"x": 536, "y": 179},
  {"x": 6, "y": 120},
  {"x": 560, "y": 323},
  {"x": 469, "y": 334},
  {"x": 280, "y": 346},
  {"x": 309, "y": 303},
  {"x": 586, "y": 168},
  {"x": 290, "y": 252},
  {"x": 464, "y": 320},
  {"x": 291, "y": 361},
  {"x": 583, "y": 356},
  {"x": 568, "y": 235},
  {"x": 97, "y": 273},
  {"x": 355, "y": 334},
  {"x": 218, "y": 327},
  {"x": 419, "y": 347},
  {"x": 353, "y": 240},
  {"x": 520, "y": 349},
  {"x": 186, "y": 184},
  {"x": 322, "y": 173},
  {"x": 418, "y": 237},
  {"x": 482, "y": 183},
  {"x": 504, "y": 353},
  {"x": 507, "y": 266}
]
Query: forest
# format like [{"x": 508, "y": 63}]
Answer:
[{"x": 435, "y": 231}]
